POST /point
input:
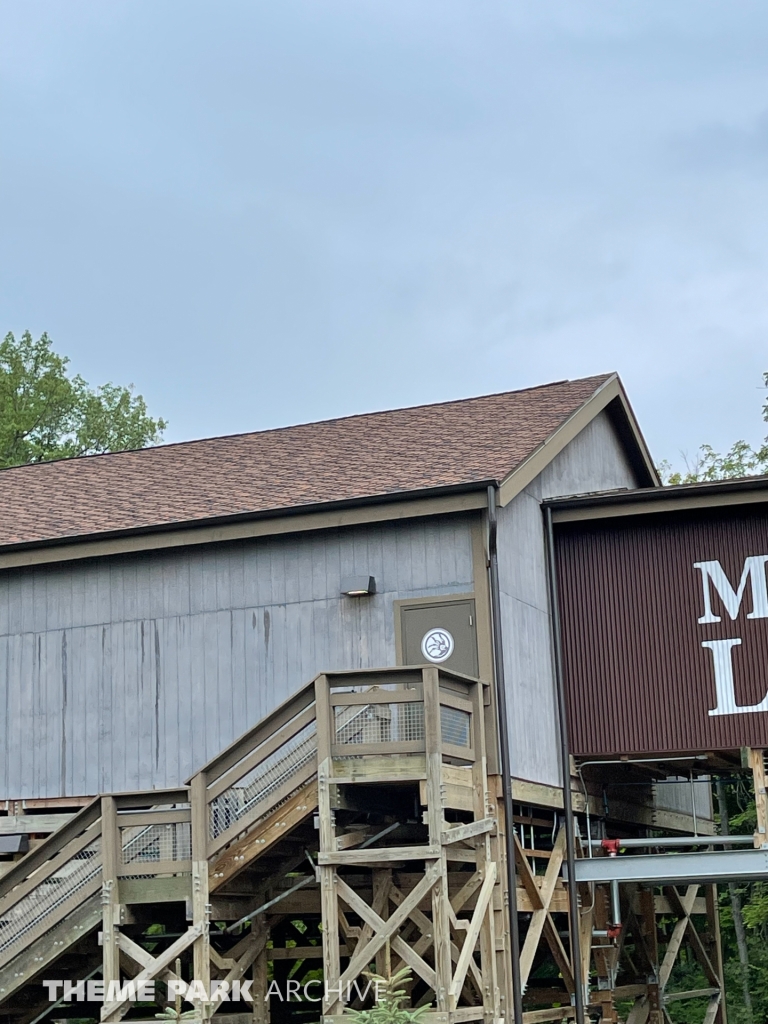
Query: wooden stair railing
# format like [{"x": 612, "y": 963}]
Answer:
[{"x": 406, "y": 724}]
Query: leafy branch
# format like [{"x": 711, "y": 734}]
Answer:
[{"x": 46, "y": 413}]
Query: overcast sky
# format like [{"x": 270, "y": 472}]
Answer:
[{"x": 269, "y": 211}]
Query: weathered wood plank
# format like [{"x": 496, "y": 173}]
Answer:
[
  {"x": 274, "y": 827},
  {"x": 387, "y": 855},
  {"x": 112, "y": 1011},
  {"x": 458, "y": 833},
  {"x": 15, "y": 824},
  {"x": 473, "y": 932},
  {"x": 173, "y": 889}
]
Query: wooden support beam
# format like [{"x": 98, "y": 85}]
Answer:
[
  {"x": 640, "y": 1012},
  {"x": 303, "y": 952},
  {"x": 425, "y": 925},
  {"x": 264, "y": 834},
  {"x": 551, "y": 933},
  {"x": 713, "y": 924},
  {"x": 326, "y": 736},
  {"x": 460, "y": 833},
  {"x": 376, "y": 923},
  {"x": 384, "y": 855},
  {"x": 586, "y": 924},
  {"x": 756, "y": 759},
  {"x": 382, "y": 882},
  {"x": 247, "y": 951},
  {"x": 649, "y": 1009},
  {"x": 460, "y": 853},
  {"x": 114, "y": 1011},
  {"x": 433, "y": 739},
  {"x": 715, "y": 1003},
  {"x": 349, "y": 839},
  {"x": 222, "y": 963},
  {"x": 260, "y": 977},
  {"x": 111, "y": 856},
  {"x": 694, "y": 939},
  {"x": 473, "y": 934},
  {"x": 201, "y": 955},
  {"x": 140, "y": 957},
  {"x": 379, "y": 768},
  {"x": 542, "y": 1016},
  {"x": 171, "y": 889},
  {"x": 544, "y": 898},
  {"x": 695, "y": 993},
  {"x": 385, "y": 932}
]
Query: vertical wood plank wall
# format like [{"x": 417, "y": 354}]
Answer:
[
  {"x": 593, "y": 461},
  {"x": 129, "y": 673}
]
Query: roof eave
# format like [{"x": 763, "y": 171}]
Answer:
[
  {"x": 675, "y": 498},
  {"x": 317, "y": 509},
  {"x": 609, "y": 397}
]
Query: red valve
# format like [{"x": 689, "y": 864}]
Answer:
[
  {"x": 614, "y": 931},
  {"x": 611, "y": 846}
]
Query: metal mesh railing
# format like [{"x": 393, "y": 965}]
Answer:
[
  {"x": 262, "y": 781},
  {"x": 455, "y": 726},
  {"x": 354, "y": 725},
  {"x": 380, "y": 723},
  {"x": 271, "y": 774},
  {"x": 160, "y": 842},
  {"x": 50, "y": 894}
]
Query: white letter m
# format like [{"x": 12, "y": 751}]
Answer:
[{"x": 754, "y": 571}]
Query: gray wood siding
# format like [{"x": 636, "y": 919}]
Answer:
[
  {"x": 129, "y": 673},
  {"x": 593, "y": 461}
]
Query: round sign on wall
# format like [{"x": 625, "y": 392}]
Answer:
[{"x": 437, "y": 645}]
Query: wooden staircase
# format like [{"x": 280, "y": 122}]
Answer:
[{"x": 362, "y": 806}]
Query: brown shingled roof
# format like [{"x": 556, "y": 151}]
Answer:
[{"x": 382, "y": 453}]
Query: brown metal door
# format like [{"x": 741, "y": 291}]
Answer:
[{"x": 440, "y": 633}]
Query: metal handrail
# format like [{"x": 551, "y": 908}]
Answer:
[{"x": 671, "y": 841}]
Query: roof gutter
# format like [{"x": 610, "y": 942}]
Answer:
[{"x": 254, "y": 516}]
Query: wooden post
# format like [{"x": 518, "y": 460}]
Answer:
[
  {"x": 499, "y": 852},
  {"x": 481, "y": 808},
  {"x": 716, "y": 953},
  {"x": 326, "y": 734},
  {"x": 382, "y": 881},
  {"x": 111, "y": 855},
  {"x": 260, "y": 1009},
  {"x": 650, "y": 935},
  {"x": 604, "y": 952},
  {"x": 757, "y": 764},
  {"x": 201, "y": 910},
  {"x": 434, "y": 764},
  {"x": 586, "y": 923}
]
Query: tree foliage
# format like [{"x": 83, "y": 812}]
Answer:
[
  {"x": 740, "y": 460},
  {"x": 739, "y": 807},
  {"x": 47, "y": 413},
  {"x": 391, "y": 996},
  {"x": 750, "y": 900}
]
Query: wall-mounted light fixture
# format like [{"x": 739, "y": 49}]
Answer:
[{"x": 358, "y": 586}]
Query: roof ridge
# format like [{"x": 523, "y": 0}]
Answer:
[{"x": 602, "y": 377}]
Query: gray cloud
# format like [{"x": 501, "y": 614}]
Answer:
[{"x": 263, "y": 213}]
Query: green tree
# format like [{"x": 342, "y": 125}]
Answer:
[
  {"x": 46, "y": 413},
  {"x": 391, "y": 993},
  {"x": 743, "y": 908},
  {"x": 740, "y": 460}
]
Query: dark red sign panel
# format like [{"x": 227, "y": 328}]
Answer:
[{"x": 665, "y": 631}]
